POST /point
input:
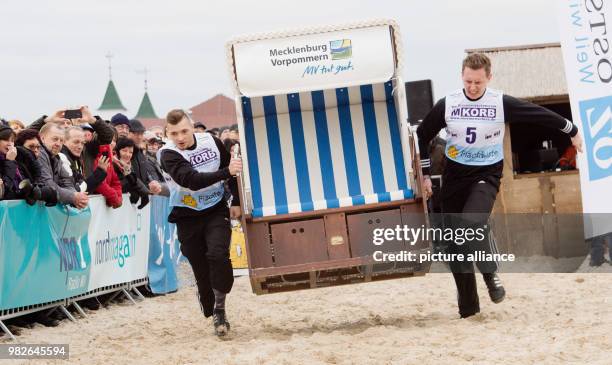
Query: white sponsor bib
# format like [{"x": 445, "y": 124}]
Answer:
[
  {"x": 475, "y": 129},
  {"x": 205, "y": 157}
]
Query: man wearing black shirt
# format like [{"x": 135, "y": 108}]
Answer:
[
  {"x": 474, "y": 120},
  {"x": 198, "y": 165}
]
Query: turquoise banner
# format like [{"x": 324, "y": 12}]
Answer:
[
  {"x": 164, "y": 251},
  {"x": 44, "y": 253}
]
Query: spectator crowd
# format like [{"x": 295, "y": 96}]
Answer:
[{"x": 70, "y": 155}]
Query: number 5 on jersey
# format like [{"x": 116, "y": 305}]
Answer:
[{"x": 470, "y": 135}]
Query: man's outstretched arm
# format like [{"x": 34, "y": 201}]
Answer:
[{"x": 520, "y": 111}]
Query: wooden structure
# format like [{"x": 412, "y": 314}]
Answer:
[
  {"x": 536, "y": 73},
  {"x": 324, "y": 168}
]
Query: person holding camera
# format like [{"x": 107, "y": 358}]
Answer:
[
  {"x": 102, "y": 131},
  {"x": 73, "y": 163}
]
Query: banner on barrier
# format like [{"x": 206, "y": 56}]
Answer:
[
  {"x": 44, "y": 253},
  {"x": 164, "y": 251},
  {"x": 118, "y": 242},
  {"x": 165, "y": 254},
  {"x": 49, "y": 254},
  {"x": 588, "y": 68}
]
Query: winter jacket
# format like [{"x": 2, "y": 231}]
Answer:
[
  {"x": 142, "y": 168},
  {"x": 74, "y": 166},
  {"x": 110, "y": 188},
  {"x": 53, "y": 174},
  {"x": 11, "y": 176},
  {"x": 132, "y": 185}
]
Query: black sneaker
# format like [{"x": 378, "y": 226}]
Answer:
[
  {"x": 497, "y": 293},
  {"x": 220, "y": 322}
]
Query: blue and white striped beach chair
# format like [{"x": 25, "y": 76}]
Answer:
[
  {"x": 323, "y": 167},
  {"x": 324, "y": 149}
]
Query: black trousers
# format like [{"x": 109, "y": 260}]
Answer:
[
  {"x": 205, "y": 242},
  {"x": 470, "y": 208}
]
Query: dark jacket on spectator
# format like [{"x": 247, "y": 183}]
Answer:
[
  {"x": 11, "y": 175},
  {"x": 141, "y": 167},
  {"x": 75, "y": 165},
  {"x": 28, "y": 164},
  {"x": 131, "y": 184},
  {"x": 25, "y": 166},
  {"x": 157, "y": 173},
  {"x": 53, "y": 174},
  {"x": 154, "y": 168}
]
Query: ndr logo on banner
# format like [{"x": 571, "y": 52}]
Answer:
[{"x": 596, "y": 116}]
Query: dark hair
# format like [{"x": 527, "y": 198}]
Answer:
[
  {"x": 26, "y": 135},
  {"x": 6, "y": 133},
  {"x": 122, "y": 143},
  {"x": 115, "y": 133},
  {"x": 477, "y": 61},
  {"x": 175, "y": 116},
  {"x": 229, "y": 144}
]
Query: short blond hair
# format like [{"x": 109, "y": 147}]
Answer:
[
  {"x": 15, "y": 122},
  {"x": 477, "y": 61}
]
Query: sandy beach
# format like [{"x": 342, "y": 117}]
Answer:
[{"x": 545, "y": 319}]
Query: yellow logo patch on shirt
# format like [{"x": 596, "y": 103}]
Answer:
[
  {"x": 189, "y": 201},
  {"x": 452, "y": 152}
]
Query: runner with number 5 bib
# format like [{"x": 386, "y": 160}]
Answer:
[{"x": 474, "y": 119}]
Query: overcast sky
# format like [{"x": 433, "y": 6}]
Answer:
[{"x": 52, "y": 53}]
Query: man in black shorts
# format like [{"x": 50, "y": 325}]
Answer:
[{"x": 474, "y": 119}]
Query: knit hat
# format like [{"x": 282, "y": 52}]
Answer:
[{"x": 120, "y": 119}]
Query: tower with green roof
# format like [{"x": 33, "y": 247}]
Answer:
[
  {"x": 111, "y": 99},
  {"x": 146, "y": 111},
  {"x": 111, "y": 104}
]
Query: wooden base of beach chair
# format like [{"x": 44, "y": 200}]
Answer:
[
  {"x": 331, "y": 247},
  {"x": 274, "y": 283}
]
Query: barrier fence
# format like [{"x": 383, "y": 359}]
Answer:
[{"x": 52, "y": 257}]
